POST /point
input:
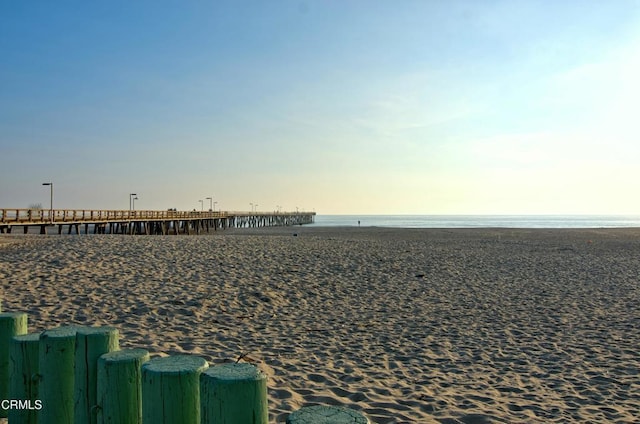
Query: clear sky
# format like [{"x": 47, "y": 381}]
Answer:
[{"x": 342, "y": 107}]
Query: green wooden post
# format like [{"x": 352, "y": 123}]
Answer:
[
  {"x": 326, "y": 415},
  {"x": 11, "y": 324},
  {"x": 119, "y": 387},
  {"x": 23, "y": 377},
  {"x": 171, "y": 389},
  {"x": 91, "y": 343},
  {"x": 234, "y": 394},
  {"x": 56, "y": 362}
]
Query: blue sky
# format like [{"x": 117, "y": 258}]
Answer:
[{"x": 417, "y": 107}]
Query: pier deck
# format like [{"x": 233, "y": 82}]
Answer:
[{"x": 143, "y": 222}]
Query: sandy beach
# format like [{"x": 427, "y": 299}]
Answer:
[{"x": 407, "y": 326}]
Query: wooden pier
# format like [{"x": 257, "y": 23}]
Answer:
[{"x": 143, "y": 222}]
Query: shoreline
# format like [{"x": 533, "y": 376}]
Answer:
[
  {"x": 320, "y": 228},
  {"x": 406, "y": 325}
]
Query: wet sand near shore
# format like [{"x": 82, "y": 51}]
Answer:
[{"x": 405, "y": 325}]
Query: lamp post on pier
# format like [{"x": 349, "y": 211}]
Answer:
[
  {"x": 214, "y": 206},
  {"x": 131, "y": 196},
  {"x": 210, "y": 203},
  {"x": 51, "y": 202}
]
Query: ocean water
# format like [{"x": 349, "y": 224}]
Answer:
[{"x": 480, "y": 221}]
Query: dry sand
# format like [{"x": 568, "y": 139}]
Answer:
[{"x": 412, "y": 326}]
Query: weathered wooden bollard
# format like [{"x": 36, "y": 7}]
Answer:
[
  {"x": 234, "y": 394},
  {"x": 119, "y": 387},
  {"x": 326, "y": 415},
  {"x": 23, "y": 377},
  {"x": 11, "y": 324},
  {"x": 56, "y": 362},
  {"x": 91, "y": 343},
  {"x": 171, "y": 389}
]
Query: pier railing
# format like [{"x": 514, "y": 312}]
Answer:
[{"x": 78, "y": 374}]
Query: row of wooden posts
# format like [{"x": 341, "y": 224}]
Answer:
[{"x": 78, "y": 375}]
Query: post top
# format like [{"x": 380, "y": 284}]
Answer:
[
  {"x": 326, "y": 415},
  {"x": 60, "y": 332},
  {"x": 125, "y": 355},
  {"x": 11, "y": 315},
  {"x": 177, "y": 364},
  {"x": 31, "y": 337},
  {"x": 87, "y": 331},
  {"x": 235, "y": 372}
]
